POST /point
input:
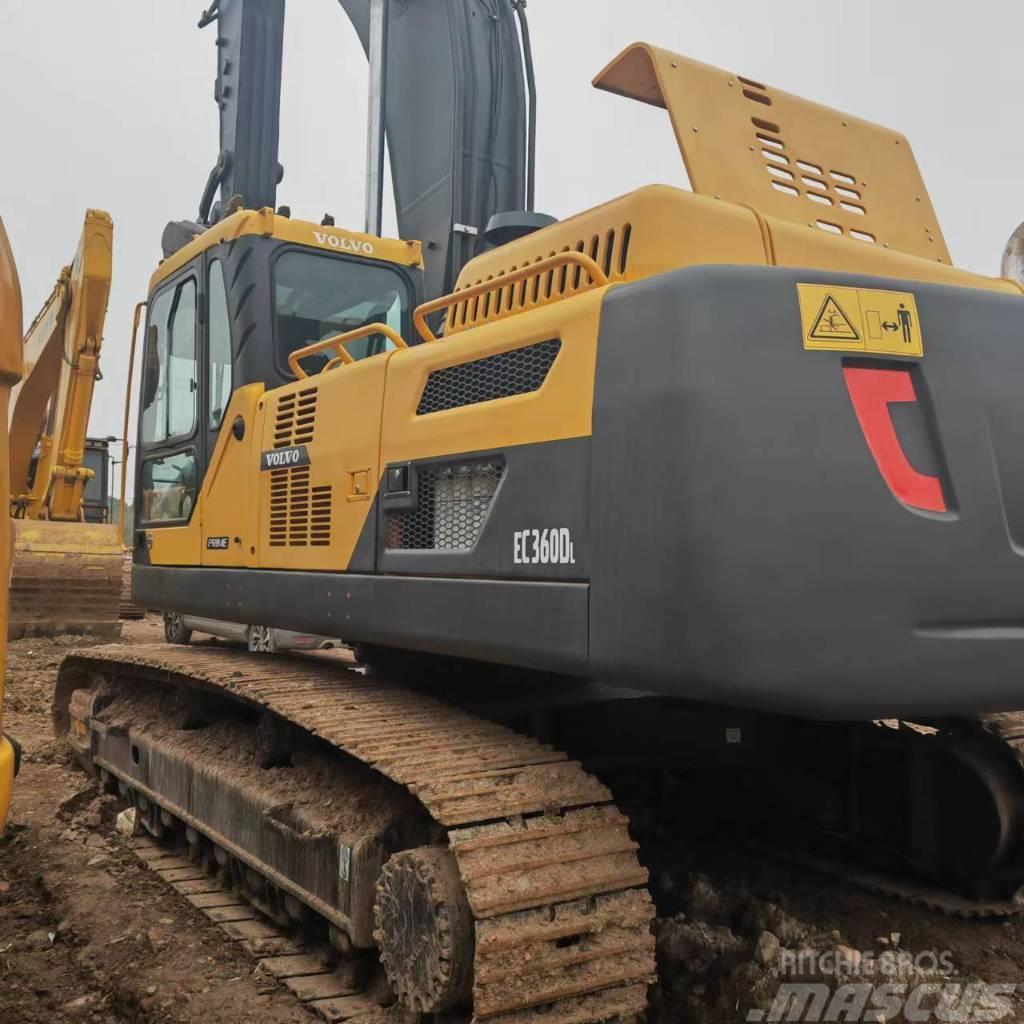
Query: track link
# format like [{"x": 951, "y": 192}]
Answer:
[
  {"x": 558, "y": 897},
  {"x": 327, "y": 992}
]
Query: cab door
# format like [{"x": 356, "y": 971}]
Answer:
[
  {"x": 169, "y": 440},
  {"x": 226, "y": 500}
]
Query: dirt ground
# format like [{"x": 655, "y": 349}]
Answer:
[{"x": 87, "y": 934}]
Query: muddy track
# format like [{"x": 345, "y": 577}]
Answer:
[{"x": 562, "y": 918}]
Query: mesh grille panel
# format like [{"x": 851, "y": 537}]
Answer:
[
  {"x": 517, "y": 372},
  {"x": 452, "y": 504}
]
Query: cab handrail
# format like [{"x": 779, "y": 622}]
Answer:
[
  {"x": 597, "y": 277},
  {"x": 338, "y": 343}
]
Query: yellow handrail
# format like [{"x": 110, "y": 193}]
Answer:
[
  {"x": 338, "y": 343},
  {"x": 597, "y": 277}
]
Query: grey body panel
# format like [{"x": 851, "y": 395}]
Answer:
[
  {"x": 537, "y": 625},
  {"x": 745, "y": 547}
]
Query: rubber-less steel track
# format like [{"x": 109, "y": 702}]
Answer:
[
  {"x": 562, "y": 915},
  {"x": 1006, "y": 728}
]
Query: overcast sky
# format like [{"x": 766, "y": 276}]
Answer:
[{"x": 108, "y": 103}]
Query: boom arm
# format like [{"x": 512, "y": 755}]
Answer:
[
  {"x": 50, "y": 408},
  {"x": 250, "y": 40},
  {"x": 456, "y": 116}
]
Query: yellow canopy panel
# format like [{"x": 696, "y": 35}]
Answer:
[{"x": 748, "y": 143}]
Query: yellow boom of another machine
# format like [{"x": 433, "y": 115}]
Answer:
[
  {"x": 67, "y": 573},
  {"x": 11, "y": 370}
]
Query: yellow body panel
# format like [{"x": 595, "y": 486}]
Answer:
[
  {"x": 659, "y": 228},
  {"x": 284, "y": 229},
  {"x": 311, "y": 517},
  {"x": 561, "y": 408},
  {"x": 795, "y": 246},
  {"x": 747, "y": 143},
  {"x": 11, "y": 369},
  {"x": 654, "y": 229},
  {"x": 6, "y": 776},
  {"x": 228, "y": 500},
  {"x": 177, "y": 545}
]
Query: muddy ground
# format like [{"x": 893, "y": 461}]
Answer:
[{"x": 88, "y": 935}]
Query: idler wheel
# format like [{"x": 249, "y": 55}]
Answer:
[{"x": 424, "y": 929}]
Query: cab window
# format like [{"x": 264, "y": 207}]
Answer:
[
  {"x": 169, "y": 365},
  {"x": 317, "y": 296},
  {"x": 169, "y": 486},
  {"x": 219, "y": 349}
]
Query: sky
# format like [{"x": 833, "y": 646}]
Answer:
[{"x": 109, "y": 104}]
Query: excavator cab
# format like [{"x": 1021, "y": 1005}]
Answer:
[{"x": 257, "y": 301}]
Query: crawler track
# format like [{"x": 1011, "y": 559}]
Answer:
[
  {"x": 331, "y": 993},
  {"x": 558, "y": 897}
]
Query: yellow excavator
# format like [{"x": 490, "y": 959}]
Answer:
[
  {"x": 11, "y": 370},
  {"x": 67, "y": 572},
  {"x": 724, "y": 481}
]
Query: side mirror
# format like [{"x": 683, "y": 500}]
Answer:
[{"x": 151, "y": 367}]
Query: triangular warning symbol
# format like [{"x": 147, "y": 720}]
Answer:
[{"x": 832, "y": 324}]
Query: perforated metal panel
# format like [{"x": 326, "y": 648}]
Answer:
[
  {"x": 516, "y": 372},
  {"x": 745, "y": 142},
  {"x": 453, "y": 501}
]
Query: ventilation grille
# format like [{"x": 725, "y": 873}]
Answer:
[
  {"x": 296, "y": 418},
  {"x": 610, "y": 251},
  {"x": 300, "y": 515},
  {"x": 823, "y": 188},
  {"x": 452, "y": 504},
  {"x": 517, "y": 372}
]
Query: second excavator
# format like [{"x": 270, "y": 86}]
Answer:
[{"x": 67, "y": 571}]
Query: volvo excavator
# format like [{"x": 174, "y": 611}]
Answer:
[
  {"x": 67, "y": 571},
  {"x": 720, "y": 477}
]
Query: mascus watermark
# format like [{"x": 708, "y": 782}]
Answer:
[
  {"x": 849, "y": 985},
  {"x": 803, "y": 1002}
]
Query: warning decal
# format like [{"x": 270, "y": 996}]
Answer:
[
  {"x": 832, "y": 324},
  {"x": 859, "y": 320}
]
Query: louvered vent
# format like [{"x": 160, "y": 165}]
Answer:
[
  {"x": 517, "y": 372},
  {"x": 296, "y": 418},
  {"x": 300, "y": 514},
  {"x": 610, "y": 251},
  {"x": 452, "y": 504}
]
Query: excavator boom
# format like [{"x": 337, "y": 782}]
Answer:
[{"x": 66, "y": 572}]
